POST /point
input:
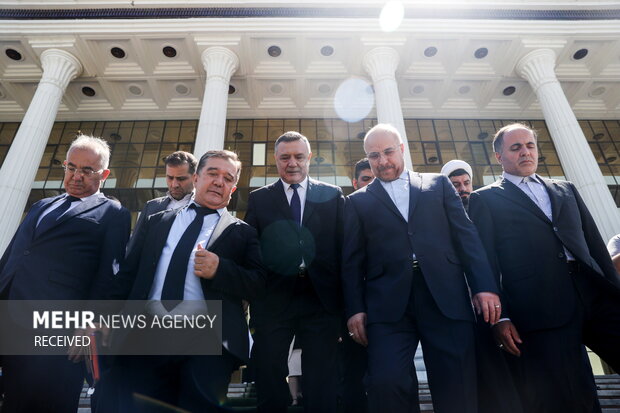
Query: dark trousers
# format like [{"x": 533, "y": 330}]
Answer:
[
  {"x": 449, "y": 356},
  {"x": 354, "y": 361},
  {"x": 141, "y": 384},
  {"x": 46, "y": 384},
  {"x": 497, "y": 392},
  {"x": 317, "y": 332}
]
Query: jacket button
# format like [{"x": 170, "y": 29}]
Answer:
[
  {"x": 555, "y": 229},
  {"x": 27, "y": 252},
  {"x": 561, "y": 255},
  {"x": 301, "y": 242}
]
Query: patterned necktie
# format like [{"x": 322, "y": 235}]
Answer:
[
  {"x": 296, "y": 204},
  {"x": 174, "y": 284},
  {"x": 50, "y": 219}
]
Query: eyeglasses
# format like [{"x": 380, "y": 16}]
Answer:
[
  {"x": 85, "y": 172},
  {"x": 374, "y": 156},
  {"x": 366, "y": 178}
]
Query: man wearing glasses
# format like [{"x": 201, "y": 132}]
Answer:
[
  {"x": 407, "y": 244},
  {"x": 67, "y": 248}
]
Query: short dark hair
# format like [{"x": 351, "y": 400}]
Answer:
[
  {"x": 223, "y": 154},
  {"x": 360, "y": 166},
  {"x": 498, "y": 139},
  {"x": 291, "y": 136},
  {"x": 459, "y": 172},
  {"x": 179, "y": 158}
]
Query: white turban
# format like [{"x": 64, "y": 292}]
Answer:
[{"x": 455, "y": 164}]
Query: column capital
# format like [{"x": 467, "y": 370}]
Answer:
[
  {"x": 220, "y": 62},
  {"x": 59, "y": 67},
  {"x": 381, "y": 63},
  {"x": 537, "y": 67}
]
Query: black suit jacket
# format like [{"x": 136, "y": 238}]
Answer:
[
  {"x": 526, "y": 250},
  {"x": 240, "y": 274},
  {"x": 379, "y": 246},
  {"x": 284, "y": 243},
  {"x": 73, "y": 260}
]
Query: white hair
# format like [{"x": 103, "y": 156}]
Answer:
[{"x": 97, "y": 145}]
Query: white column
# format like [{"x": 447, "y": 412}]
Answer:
[
  {"x": 220, "y": 63},
  {"x": 22, "y": 161},
  {"x": 381, "y": 64},
  {"x": 573, "y": 150}
]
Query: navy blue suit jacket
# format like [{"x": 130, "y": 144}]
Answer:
[
  {"x": 379, "y": 245},
  {"x": 527, "y": 254},
  {"x": 240, "y": 274},
  {"x": 284, "y": 243},
  {"x": 72, "y": 260}
]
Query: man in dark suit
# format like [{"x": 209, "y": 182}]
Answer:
[
  {"x": 67, "y": 248},
  {"x": 559, "y": 286},
  {"x": 220, "y": 260},
  {"x": 407, "y": 244},
  {"x": 299, "y": 222},
  {"x": 180, "y": 167}
]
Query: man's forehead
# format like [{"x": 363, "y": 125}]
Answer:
[
  {"x": 292, "y": 147},
  {"x": 177, "y": 170},
  {"x": 380, "y": 139},
  {"x": 221, "y": 165},
  {"x": 85, "y": 155},
  {"x": 519, "y": 134}
]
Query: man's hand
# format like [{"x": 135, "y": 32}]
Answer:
[
  {"x": 489, "y": 306},
  {"x": 507, "y": 336},
  {"x": 205, "y": 263},
  {"x": 357, "y": 328}
]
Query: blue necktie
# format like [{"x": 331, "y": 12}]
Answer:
[
  {"x": 296, "y": 204},
  {"x": 174, "y": 284},
  {"x": 50, "y": 219}
]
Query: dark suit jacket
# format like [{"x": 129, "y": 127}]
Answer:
[
  {"x": 379, "y": 246},
  {"x": 525, "y": 249},
  {"x": 72, "y": 260},
  {"x": 240, "y": 274},
  {"x": 151, "y": 207},
  {"x": 284, "y": 243}
]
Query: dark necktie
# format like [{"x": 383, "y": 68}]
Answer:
[
  {"x": 296, "y": 204},
  {"x": 50, "y": 219},
  {"x": 174, "y": 284}
]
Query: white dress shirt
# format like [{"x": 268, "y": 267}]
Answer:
[
  {"x": 398, "y": 190},
  {"x": 301, "y": 191},
  {"x": 174, "y": 204},
  {"x": 193, "y": 290},
  {"x": 59, "y": 202}
]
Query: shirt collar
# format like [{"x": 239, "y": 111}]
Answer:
[
  {"x": 517, "y": 179},
  {"x": 220, "y": 211},
  {"x": 303, "y": 184},
  {"x": 95, "y": 195}
]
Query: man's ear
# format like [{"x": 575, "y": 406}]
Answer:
[
  {"x": 234, "y": 188},
  {"x": 105, "y": 174},
  {"x": 498, "y": 157}
]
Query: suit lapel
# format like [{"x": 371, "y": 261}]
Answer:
[
  {"x": 309, "y": 205},
  {"x": 162, "y": 230},
  {"x": 224, "y": 222},
  {"x": 36, "y": 214},
  {"x": 513, "y": 193},
  {"x": 415, "y": 187},
  {"x": 554, "y": 197},
  {"x": 82, "y": 207},
  {"x": 279, "y": 197},
  {"x": 376, "y": 189}
]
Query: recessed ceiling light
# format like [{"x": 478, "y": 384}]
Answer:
[
  {"x": 231, "y": 89},
  {"x": 361, "y": 135},
  {"x": 238, "y": 135},
  {"x": 118, "y": 52},
  {"x": 580, "y": 54},
  {"x": 509, "y": 90},
  {"x": 598, "y": 136},
  {"x": 611, "y": 159},
  {"x": 430, "y": 51},
  {"x": 463, "y": 90},
  {"x": 88, "y": 91},
  {"x": 481, "y": 53},
  {"x": 483, "y": 135},
  {"x": 542, "y": 158},
  {"x": 115, "y": 136},
  {"x": 324, "y": 88},
  {"x": 135, "y": 90},
  {"x": 598, "y": 91},
  {"x": 181, "y": 89},
  {"x": 327, "y": 50},
  {"x": 13, "y": 54},
  {"x": 274, "y": 51},
  {"x": 417, "y": 89},
  {"x": 276, "y": 88},
  {"x": 432, "y": 159},
  {"x": 169, "y": 51}
]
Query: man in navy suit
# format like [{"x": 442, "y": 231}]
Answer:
[
  {"x": 180, "y": 168},
  {"x": 222, "y": 262},
  {"x": 299, "y": 222},
  {"x": 408, "y": 243},
  {"x": 67, "y": 248},
  {"x": 558, "y": 285}
]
